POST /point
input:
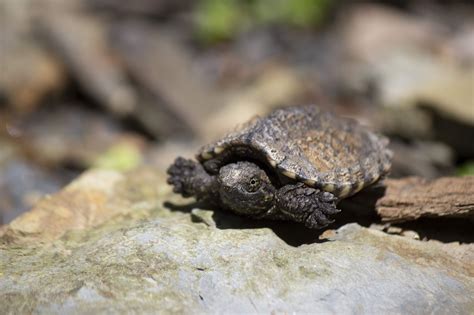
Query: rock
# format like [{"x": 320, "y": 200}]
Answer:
[
  {"x": 366, "y": 28},
  {"x": 422, "y": 73},
  {"x": 421, "y": 158},
  {"x": 22, "y": 183},
  {"x": 70, "y": 133},
  {"x": 154, "y": 8},
  {"x": 87, "y": 202},
  {"x": 405, "y": 78},
  {"x": 163, "y": 154},
  {"x": 29, "y": 72},
  {"x": 395, "y": 230},
  {"x": 176, "y": 98},
  {"x": 106, "y": 243},
  {"x": 448, "y": 92},
  {"x": 89, "y": 59},
  {"x": 29, "y": 76},
  {"x": 411, "y": 234},
  {"x": 277, "y": 86},
  {"x": 463, "y": 43},
  {"x": 198, "y": 215}
]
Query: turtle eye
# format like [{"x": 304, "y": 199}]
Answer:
[{"x": 253, "y": 184}]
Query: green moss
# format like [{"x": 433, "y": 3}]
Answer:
[
  {"x": 218, "y": 20},
  {"x": 303, "y": 13},
  {"x": 120, "y": 157},
  {"x": 467, "y": 169}
]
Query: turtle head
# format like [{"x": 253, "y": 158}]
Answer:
[{"x": 245, "y": 188}]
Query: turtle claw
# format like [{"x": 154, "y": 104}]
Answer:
[
  {"x": 181, "y": 173},
  {"x": 190, "y": 179},
  {"x": 317, "y": 220},
  {"x": 320, "y": 215},
  {"x": 305, "y": 204}
]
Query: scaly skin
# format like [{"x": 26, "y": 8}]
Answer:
[
  {"x": 307, "y": 205},
  {"x": 190, "y": 179},
  {"x": 245, "y": 189}
]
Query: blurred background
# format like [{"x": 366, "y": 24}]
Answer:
[{"x": 117, "y": 84}]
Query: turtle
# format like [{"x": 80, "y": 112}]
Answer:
[{"x": 294, "y": 164}]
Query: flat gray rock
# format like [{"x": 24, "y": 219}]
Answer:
[{"x": 165, "y": 261}]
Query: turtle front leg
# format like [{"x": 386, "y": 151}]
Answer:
[
  {"x": 190, "y": 179},
  {"x": 308, "y": 205}
]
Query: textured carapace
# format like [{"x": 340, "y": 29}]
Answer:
[{"x": 307, "y": 145}]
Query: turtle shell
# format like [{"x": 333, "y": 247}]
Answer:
[{"x": 309, "y": 145}]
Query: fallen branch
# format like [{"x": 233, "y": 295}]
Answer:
[
  {"x": 413, "y": 197},
  {"x": 410, "y": 198}
]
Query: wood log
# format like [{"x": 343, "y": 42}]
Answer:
[{"x": 411, "y": 198}]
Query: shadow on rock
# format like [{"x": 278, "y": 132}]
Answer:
[
  {"x": 445, "y": 230},
  {"x": 292, "y": 233},
  {"x": 362, "y": 205},
  {"x": 360, "y": 209},
  {"x": 187, "y": 208}
]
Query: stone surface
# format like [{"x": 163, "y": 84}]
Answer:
[
  {"x": 22, "y": 182},
  {"x": 422, "y": 78},
  {"x": 107, "y": 243},
  {"x": 88, "y": 58},
  {"x": 71, "y": 133}
]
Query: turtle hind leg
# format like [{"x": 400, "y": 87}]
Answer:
[{"x": 308, "y": 205}]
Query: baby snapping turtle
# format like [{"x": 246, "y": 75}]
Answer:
[{"x": 294, "y": 164}]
